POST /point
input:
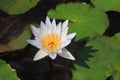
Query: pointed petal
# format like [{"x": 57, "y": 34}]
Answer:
[
  {"x": 44, "y": 29},
  {"x": 35, "y": 31},
  {"x": 47, "y": 21},
  {"x": 68, "y": 39},
  {"x": 39, "y": 55},
  {"x": 65, "y": 30},
  {"x": 63, "y": 34},
  {"x": 59, "y": 25},
  {"x": 71, "y": 36},
  {"x": 54, "y": 23},
  {"x": 66, "y": 43},
  {"x": 59, "y": 51},
  {"x": 42, "y": 25},
  {"x": 34, "y": 43},
  {"x": 49, "y": 26},
  {"x": 65, "y": 23},
  {"x": 58, "y": 29},
  {"x": 52, "y": 56},
  {"x": 66, "y": 54},
  {"x": 53, "y": 26}
]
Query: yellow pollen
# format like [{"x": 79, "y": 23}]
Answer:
[{"x": 51, "y": 42}]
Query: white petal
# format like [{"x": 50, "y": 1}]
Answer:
[
  {"x": 66, "y": 54},
  {"x": 54, "y": 23},
  {"x": 58, "y": 29},
  {"x": 68, "y": 39},
  {"x": 66, "y": 43},
  {"x": 44, "y": 29},
  {"x": 53, "y": 26},
  {"x": 64, "y": 31},
  {"x": 52, "y": 56},
  {"x": 47, "y": 21},
  {"x": 59, "y": 51},
  {"x": 63, "y": 39},
  {"x": 65, "y": 23},
  {"x": 71, "y": 36},
  {"x": 64, "y": 27},
  {"x": 42, "y": 25},
  {"x": 49, "y": 29},
  {"x": 34, "y": 43},
  {"x": 39, "y": 55},
  {"x": 35, "y": 30},
  {"x": 63, "y": 34},
  {"x": 48, "y": 25}
]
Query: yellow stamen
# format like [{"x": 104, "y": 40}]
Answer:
[{"x": 51, "y": 42}]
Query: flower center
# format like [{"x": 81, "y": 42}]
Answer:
[{"x": 51, "y": 42}]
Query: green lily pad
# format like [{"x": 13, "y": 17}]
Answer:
[
  {"x": 6, "y": 73},
  {"x": 99, "y": 59},
  {"x": 107, "y": 5},
  {"x": 18, "y": 43},
  {"x": 85, "y": 20},
  {"x": 14, "y": 7}
]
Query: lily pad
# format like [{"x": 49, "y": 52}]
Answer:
[
  {"x": 85, "y": 20},
  {"x": 107, "y": 5},
  {"x": 99, "y": 59},
  {"x": 14, "y": 7},
  {"x": 6, "y": 73},
  {"x": 18, "y": 43}
]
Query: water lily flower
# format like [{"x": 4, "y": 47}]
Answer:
[{"x": 51, "y": 40}]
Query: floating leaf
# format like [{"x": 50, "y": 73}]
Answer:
[
  {"x": 18, "y": 43},
  {"x": 6, "y": 73},
  {"x": 85, "y": 20},
  {"x": 4, "y": 48},
  {"x": 107, "y": 5},
  {"x": 17, "y": 6},
  {"x": 98, "y": 60}
]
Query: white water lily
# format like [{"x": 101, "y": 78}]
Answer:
[{"x": 52, "y": 39}]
